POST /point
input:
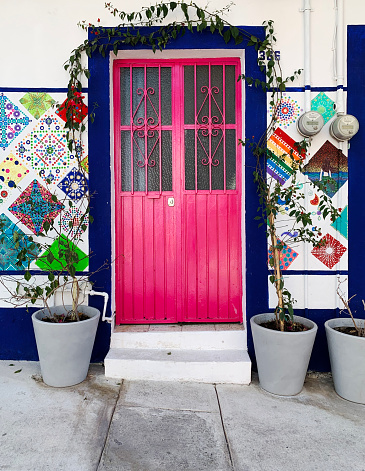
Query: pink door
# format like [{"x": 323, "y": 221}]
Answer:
[{"x": 178, "y": 191}]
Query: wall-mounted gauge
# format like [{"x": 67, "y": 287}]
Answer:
[
  {"x": 310, "y": 123},
  {"x": 344, "y": 127}
]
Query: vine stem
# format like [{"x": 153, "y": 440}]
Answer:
[{"x": 277, "y": 272}]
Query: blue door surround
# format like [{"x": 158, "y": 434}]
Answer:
[{"x": 100, "y": 174}]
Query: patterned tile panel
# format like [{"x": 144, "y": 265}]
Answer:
[
  {"x": 12, "y": 121},
  {"x": 37, "y": 103},
  {"x": 12, "y": 240},
  {"x": 329, "y": 167},
  {"x": 35, "y": 206}
]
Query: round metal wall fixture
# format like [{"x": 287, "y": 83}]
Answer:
[
  {"x": 310, "y": 123},
  {"x": 344, "y": 127}
]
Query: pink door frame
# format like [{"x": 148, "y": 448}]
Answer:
[{"x": 199, "y": 276}]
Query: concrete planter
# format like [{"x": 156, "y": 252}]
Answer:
[
  {"x": 282, "y": 357},
  {"x": 64, "y": 350},
  {"x": 347, "y": 356}
]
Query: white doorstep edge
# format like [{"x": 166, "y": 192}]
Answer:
[
  {"x": 231, "y": 372},
  {"x": 198, "y": 340}
]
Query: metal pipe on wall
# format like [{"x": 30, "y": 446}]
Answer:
[
  {"x": 307, "y": 54},
  {"x": 307, "y": 10},
  {"x": 339, "y": 57},
  {"x": 339, "y": 76}
]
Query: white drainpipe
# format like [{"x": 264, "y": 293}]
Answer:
[
  {"x": 339, "y": 74},
  {"x": 339, "y": 58},
  {"x": 307, "y": 10},
  {"x": 307, "y": 54}
]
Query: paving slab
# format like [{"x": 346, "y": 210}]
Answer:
[
  {"x": 315, "y": 430},
  {"x": 59, "y": 429},
  {"x": 170, "y": 395},
  {"x": 102, "y": 425},
  {"x": 180, "y": 429}
]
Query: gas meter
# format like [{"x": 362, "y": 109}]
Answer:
[
  {"x": 310, "y": 123},
  {"x": 344, "y": 127}
]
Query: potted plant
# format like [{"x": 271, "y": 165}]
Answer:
[
  {"x": 346, "y": 346},
  {"x": 283, "y": 342},
  {"x": 64, "y": 333}
]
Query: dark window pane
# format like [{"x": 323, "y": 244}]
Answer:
[
  {"x": 124, "y": 96},
  {"x": 125, "y": 144},
  {"x": 217, "y": 160},
  {"x": 139, "y": 182},
  {"x": 138, "y": 86},
  {"x": 166, "y": 95},
  {"x": 152, "y": 98},
  {"x": 189, "y": 111},
  {"x": 189, "y": 159},
  {"x": 166, "y": 161},
  {"x": 203, "y": 161},
  {"x": 216, "y": 80},
  {"x": 230, "y": 87},
  {"x": 153, "y": 167},
  {"x": 231, "y": 150},
  {"x": 202, "y": 99}
]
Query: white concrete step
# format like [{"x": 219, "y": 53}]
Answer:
[
  {"x": 205, "y": 366},
  {"x": 180, "y": 339}
]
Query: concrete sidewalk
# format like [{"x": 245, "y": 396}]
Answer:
[{"x": 102, "y": 425}]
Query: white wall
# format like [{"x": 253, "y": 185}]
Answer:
[{"x": 37, "y": 36}]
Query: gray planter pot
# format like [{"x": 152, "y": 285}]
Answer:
[
  {"x": 347, "y": 356},
  {"x": 64, "y": 350},
  {"x": 282, "y": 357}
]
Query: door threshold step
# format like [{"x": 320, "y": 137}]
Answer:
[
  {"x": 205, "y": 366},
  {"x": 188, "y": 327},
  {"x": 232, "y": 339}
]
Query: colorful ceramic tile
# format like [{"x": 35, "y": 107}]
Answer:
[
  {"x": 74, "y": 185},
  {"x": 287, "y": 111},
  {"x": 35, "y": 206},
  {"x": 58, "y": 249},
  {"x": 12, "y": 171},
  {"x": 12, "y": 121},
  {"x": 12, "y": 240},
  {"x": 85, "y": 164},
  {"x": 45, "y": 149},
  {"x": 324, "y": 105},
  {"x": 281, "y": 151},
  {"x": 80, "y": 111},
  {"x": 4, "y": 193},
  {"x": 330, "y": 252},
  {"x": 287, "y": 255},
  {"x": 71, "y": 223},
  {"x": 341, "y": 224},
  {"x": 37, "y": 103},
  {"x": 329, "y": 168}
]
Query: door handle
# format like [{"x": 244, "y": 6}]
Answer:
[{"x": 170, "y": 202}]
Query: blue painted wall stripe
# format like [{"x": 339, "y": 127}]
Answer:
[
  {"x": 38, "y": 89},
  {"x": 356, "y": 107},
  {"x": 315, "y": 272},
  {"x": 313, "y": 89}
]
